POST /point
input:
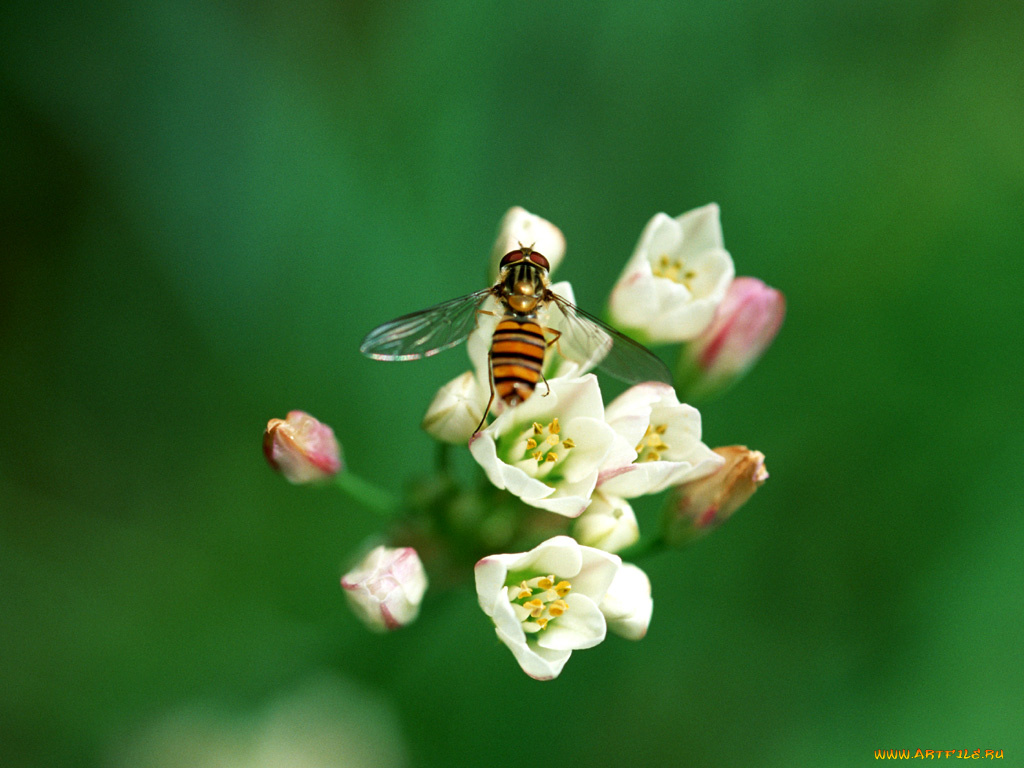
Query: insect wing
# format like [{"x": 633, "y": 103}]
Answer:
[
  {"x": 590, "y": 343},
  {"x": 425, "y": 333}
]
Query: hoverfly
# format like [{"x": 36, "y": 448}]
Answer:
[{"x": 531, "y": 312}]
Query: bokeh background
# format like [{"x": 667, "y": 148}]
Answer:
[{"x": 205, "y": 205}]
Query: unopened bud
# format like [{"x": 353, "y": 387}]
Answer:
[
  {"x": 385, "y": 590},
  {"x": 699, "y": 506},
  {"x": 609, "y": 523},
  {"x": 301, "y": 448},
  {"x": 456, "y": 410},
  {"x": 744, "y": 326}
]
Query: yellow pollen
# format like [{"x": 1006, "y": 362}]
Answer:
[
  {"x": 545, "y": 583},
  {"x": 554, "y": 428},
  {"x": 537, "y": 428},
  {"x": 568, "y": 443},
  {"x": 651, "y": 444},
  {"x": 558, "y": 607},
  {"x": 535, "y": 607},
  {"x": 673, "y": 269},
  {"x": 551, "y": 457},
  {"x": 562, "y": 588},
  {"x": 531, "y": 444},
  {"x": 539, "y": 456},
  {"x": 542, "y": 623}
]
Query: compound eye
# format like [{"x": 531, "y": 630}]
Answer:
[
  {"x": 540, "y": 261},
  {"x": 510, "y": 258}
]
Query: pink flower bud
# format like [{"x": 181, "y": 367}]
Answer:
[
  {"x": 301, "y": 448},
  {"x": 744, "y": 326},
  {"x": 386, "y": 588},
  {"x": 699, "y": 506}
]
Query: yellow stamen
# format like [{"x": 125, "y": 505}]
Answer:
[
  {"x": 531, "y": 444},
  {"x": 539, "y": 456},
  {"x": 535, "y": 607},
  {"x": 537, "y": 428},
  {"x": 552, "y": 457},
  {"x": 554, "y": 427},
  {"x": 546, "y": 583},
  {"x": 542, "y": 623},
  {"x": 558, "y": 607},
  {"x": 562, "y": 588},
  {"x": 568, "y": 443}
]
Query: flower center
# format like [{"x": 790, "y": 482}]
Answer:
[
  {"x": 543, "y": 441},
  {"x": 538, "y": 600},
  {"x": 673, "y": 269},
  {"x": 651, "y": 445}
]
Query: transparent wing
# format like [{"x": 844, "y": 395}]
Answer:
[
  {"x": 425, "y": 333},
  {"x": 589, "y": 342}
]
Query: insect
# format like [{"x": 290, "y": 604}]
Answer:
[{"x": 533, "y": 318}]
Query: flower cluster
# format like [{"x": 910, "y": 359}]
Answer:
[{"x": 562, "y": 464}]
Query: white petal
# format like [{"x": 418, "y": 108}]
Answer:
[
  {"x": 628, "y": 605},
  {"x": 597, "y": 571},
  {"x": 539, "y": 663},
  {"x": 702, "y": 228},
  {"x": 561, "y": 555},
  {"x": 581, "y": 626}
]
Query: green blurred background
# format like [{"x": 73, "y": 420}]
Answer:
[{"x": 206, "y": 205}]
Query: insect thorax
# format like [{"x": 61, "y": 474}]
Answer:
[{"x": 522, "y": 287}]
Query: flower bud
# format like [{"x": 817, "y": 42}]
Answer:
[
  {"x": 698, "y": 507},
  {"x": 746, "y": 323},
  {"x": 520, "y": 227},
  {"x": 627, "y": 607},
  {"x": 456, "y": 410},
  {"x": 301, "y": 448},
  {"x": 609, "y": 523},
  {"x": 385, "y": 590}
]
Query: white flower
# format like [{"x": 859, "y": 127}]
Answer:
[
  {"x": 456, "y": 409},
  {"x": 628, "y": 605},
  {"x": 545, "y": 602},
  {"x": 386, "y": 588},
  {"x": 666, "y": 435},
  {"x": 520, "y": 227},
  {"x": 676, "y": 278},
  {"x": 549, "y": 450},
  {"x": 609, "y": 523}
]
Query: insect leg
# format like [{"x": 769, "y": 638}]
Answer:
[
  {"x": 558, "y": 335},
  {"x": 490, "y": 400}
]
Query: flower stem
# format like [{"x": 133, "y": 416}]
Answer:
[
  {"x": 442, "y": 459},
  {"x": 366, "y": 493}
]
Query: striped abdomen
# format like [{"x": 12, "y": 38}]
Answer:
[{"x": 517, "y": 356}]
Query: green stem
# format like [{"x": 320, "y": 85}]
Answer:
[
  {"x": 366, "y": 493},
  {"x": 442, "y": 459}
]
